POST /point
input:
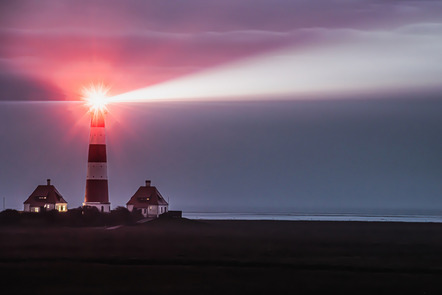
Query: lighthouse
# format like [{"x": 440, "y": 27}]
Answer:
[{"x": 97, "y": 193}]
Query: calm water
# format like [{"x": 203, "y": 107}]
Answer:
[{"x": 314, "y": 217}]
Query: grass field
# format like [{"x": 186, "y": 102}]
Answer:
[{"x": 219, "y": 257}]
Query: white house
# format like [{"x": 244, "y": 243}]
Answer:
[
  {"x": 45, "y": 198},
  {"x": 149, "y": 201}
]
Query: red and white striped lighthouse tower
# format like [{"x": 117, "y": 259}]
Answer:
[{"x": 97, "y": 193}]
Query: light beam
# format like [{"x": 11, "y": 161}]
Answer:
[{"x": 346, "y": 63}]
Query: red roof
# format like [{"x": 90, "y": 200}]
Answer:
[
  {"x": 145, "y": 196},
  {"x": 44, "y": 194}
]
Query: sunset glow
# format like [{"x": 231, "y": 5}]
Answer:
[{"x": 95, "y": 97}]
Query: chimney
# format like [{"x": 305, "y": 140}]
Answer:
[
  {"x": 147, "y": 183},
  {"x": 48, "y": 181}
]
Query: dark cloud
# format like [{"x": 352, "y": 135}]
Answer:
[
  {"x": 133, "y": 47},
  {"x": 139, "y": 43},
  {"x": 18, "y": 87},
  {"x": 201, "y": 15}
]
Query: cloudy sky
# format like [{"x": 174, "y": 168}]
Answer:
[{"x": 228, "y": 105}]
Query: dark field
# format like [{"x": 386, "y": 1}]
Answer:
[{"x": 224, "y": 257}]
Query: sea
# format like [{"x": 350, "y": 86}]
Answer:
[{"x": 434, "y": 218}]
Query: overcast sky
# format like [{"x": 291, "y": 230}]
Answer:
[{"x": 302, "y": 105}]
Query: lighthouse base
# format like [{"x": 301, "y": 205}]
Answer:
[{"x": 102, "y": 207}]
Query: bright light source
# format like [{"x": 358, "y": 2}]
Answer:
[{"x": 96, "y": 97}]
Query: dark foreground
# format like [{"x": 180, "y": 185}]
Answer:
[{"x": 224, "y": 257}]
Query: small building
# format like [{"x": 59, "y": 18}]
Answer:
[
  {"x": 45, "y": 198},
  {"x": 149, "y": 201}
]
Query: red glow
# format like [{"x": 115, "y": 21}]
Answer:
[{"x": 59, "y": 49}]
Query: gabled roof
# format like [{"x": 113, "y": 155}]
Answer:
[
  {"x": 146, "y": 196},
  {"x": 45, "y": 194}
]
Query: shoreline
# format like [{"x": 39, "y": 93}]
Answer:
[{"x": 349, "y": 217}]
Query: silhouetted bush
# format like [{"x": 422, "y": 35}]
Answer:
[
  {"x": 74, "y": 217},
  {"x": 136, "y": 215},
  {"x": 81, "y": 216},
  {"x": 119, "y": 215},
  {"x": 172, "y": 215},
  {"x": 92, "y": 217},
  {"x": 50, "y": 217},
  {"x": 9, "y": 217}
]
